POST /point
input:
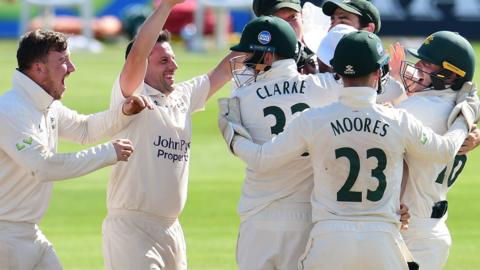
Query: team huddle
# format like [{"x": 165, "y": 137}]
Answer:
[{"x": 350, "y": 150}]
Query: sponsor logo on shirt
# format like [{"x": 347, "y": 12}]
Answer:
[
  {"x": 172, "y": 149},
  {"x": 25, "y": 142},
  {"x": 423, "y": 139}
]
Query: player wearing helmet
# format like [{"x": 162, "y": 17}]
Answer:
[
  {"x": 446, "y": 64},
  {"x": 446, "y": 60},
  {"x": 356, "y": 149},
  {"x": 274, "y": 206}
]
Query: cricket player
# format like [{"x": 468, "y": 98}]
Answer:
[
  {"x": 356, "y": 149},
  {"x": 360, "y": 14},
  {"x": 32, "y": 119},
  {"x": 291, "y": 12},
  {"x": 144, "y": 199},
  {"x": 274, "y": 206},
  {"x": 445, "y": 67}
]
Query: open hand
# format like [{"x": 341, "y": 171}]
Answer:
[
  {"x": 135, "y": 104},
  {"x": 397, "y": 56}
]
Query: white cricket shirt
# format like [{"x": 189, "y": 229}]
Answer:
[
  {"x": 267, "y": 107},
  {"x": 357, "y": 149},
  {"x": 31, "y": 122},
  {"x": 154, "y": 180},
  {"x": 425, "y": 184}
]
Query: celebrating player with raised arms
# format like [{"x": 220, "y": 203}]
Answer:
[
  {"x": 356, "y": 149},
  {"x": 144, "y": 199}
]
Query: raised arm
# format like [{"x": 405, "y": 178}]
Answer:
[
  {"x": 133, "y": 72},
  {"x": 221, "y": 74}
]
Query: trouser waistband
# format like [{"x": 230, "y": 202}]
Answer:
[{"x": 141, "y": 215}]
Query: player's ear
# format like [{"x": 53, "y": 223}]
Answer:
[
  {"x": 370, "y": 28},
  {"x": 38, "y": 67}
]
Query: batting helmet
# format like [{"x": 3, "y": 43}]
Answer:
[
  {"x": 268, "y": 34},
  {"x": 453, "y": 53}
]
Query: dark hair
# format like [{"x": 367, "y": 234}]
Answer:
[
  {"x": 35, "y": 45},
  {"x": 364, "y": 21},
  {"x": 164, "y": 36}
]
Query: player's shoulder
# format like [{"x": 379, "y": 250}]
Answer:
[
  {"x": 12, "y": 102},
  {"x": 193, "y": 83},
  {"x": 395, "y": 114},
  {"x": 322, "y": 112}
]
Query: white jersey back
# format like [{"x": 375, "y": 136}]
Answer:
[
  {"x": 356, "y": 149},
  {"x": 267, "y": 106},
  {"x": 427, "y": 181}
]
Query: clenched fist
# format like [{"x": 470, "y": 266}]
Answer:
[{"x": 123, "y": 148}]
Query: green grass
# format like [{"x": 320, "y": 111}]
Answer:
[
  {"x": 73, "y": 221},
  {"x": 11, "y": 11}
]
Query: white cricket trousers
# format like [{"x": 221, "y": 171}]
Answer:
[
  {"x": 350, "y": 245},
  {"x": 24, "y": 247},
  {"x": 275, "y": 237},
  {"x": 133, "y": 240},
  {"x": 429, "y": 242}
]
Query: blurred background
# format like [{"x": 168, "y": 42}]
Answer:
[{"x": 212, "y": 24}]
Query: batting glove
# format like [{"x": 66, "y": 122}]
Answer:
[
  {"x": 468, "y": 104},
  {"x": 230, "y": 122}
]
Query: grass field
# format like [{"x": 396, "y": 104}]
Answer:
[
  {"x": 73, "y": 221},
  {"x": 10, "y": 10}
]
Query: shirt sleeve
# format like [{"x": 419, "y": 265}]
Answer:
[
  {"x": 87, "y": 129},
  {"x": 116, "y": 97},
  {"x": 393, "y": 92},
  {"x": 422, "y": 142},
  {"x": 24, "y": 146},
  {"x": 279, "y": 151},
  {"x": 197, "y": 89}
]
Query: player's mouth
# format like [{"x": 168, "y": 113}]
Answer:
[
  {"x": 63, "y": 80},
  {"x": 169, "y": 77}
]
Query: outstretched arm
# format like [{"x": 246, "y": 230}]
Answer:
[
  {"x": 221, "y": 74},
  {"x": 133, "y": 72}
]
